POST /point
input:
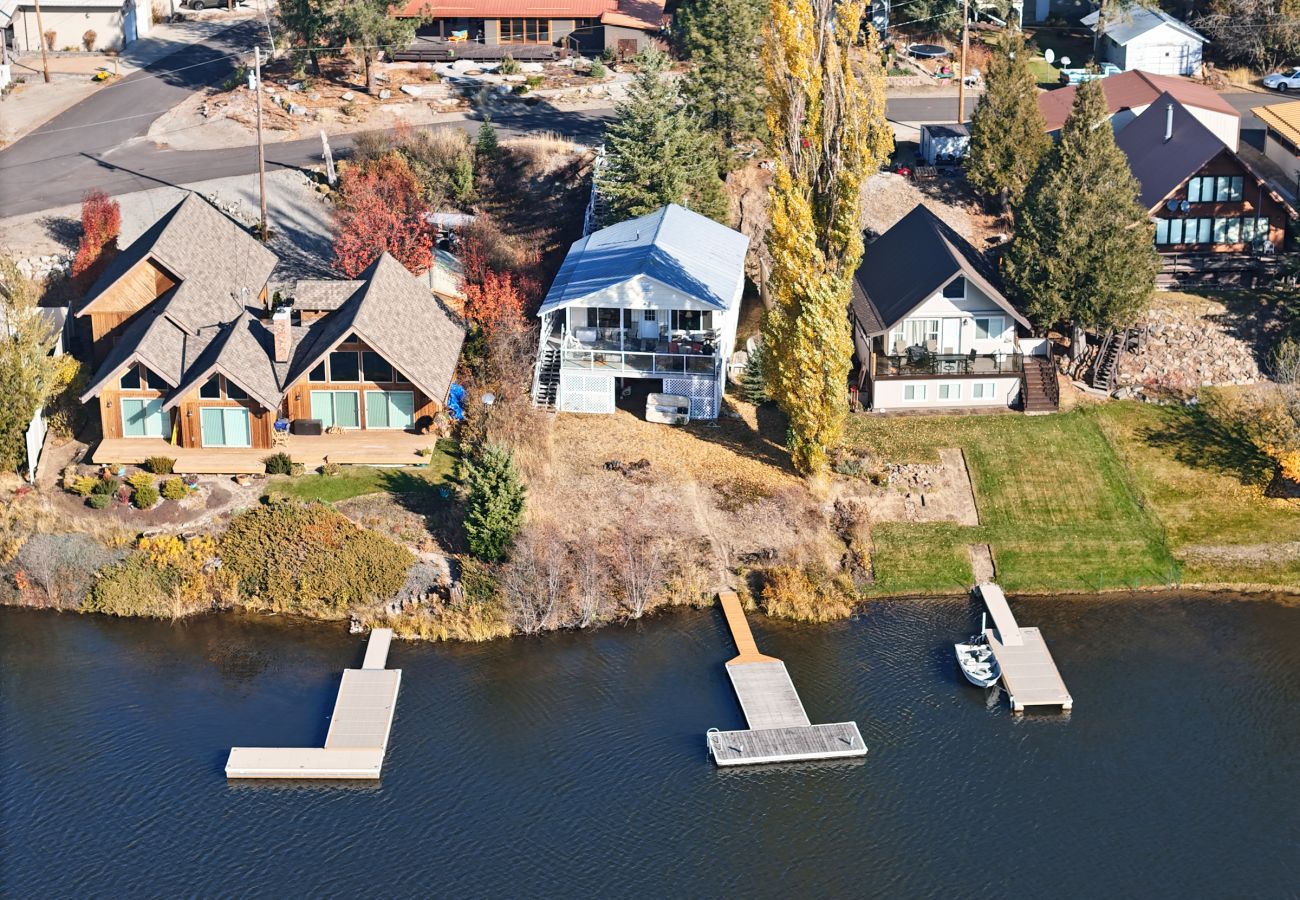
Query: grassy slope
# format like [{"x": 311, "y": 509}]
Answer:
[
  {"x": 353, "y": 481},
  {"x": 1056, "y": 505}
]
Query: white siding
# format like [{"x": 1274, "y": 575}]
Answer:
[
  {"x": 956, "y": 317},
  {"x": 1162, "y": 51},
  {"x": 890, "y": 395}
]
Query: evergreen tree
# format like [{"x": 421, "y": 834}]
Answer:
[
  {"x": 828, "y": 130},
  {"x": 495, "y": 507},
  {"x": 485, "y": 142},
  {"x": 308, "y": 24},
  {"x": 721, "y": 37},
  {"x": 1083, "y": 252},
  {"x": 1008, "y": 137},
  {"x": 656, "y": 154},
  {"x": 753, "y": 381},
  {"x": 367, "y": 24}
]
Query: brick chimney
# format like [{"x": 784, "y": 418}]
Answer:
[{"x": 281, "y": 320}]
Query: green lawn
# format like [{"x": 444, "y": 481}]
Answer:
[
  {"x": 1056, "y": 506},
  {"x": 1044, "y": 72},
  {"x": 353, "y": 481}
]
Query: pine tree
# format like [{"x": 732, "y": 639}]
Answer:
[
  {"x": 1008, "y": 137},
  {"x": 308, "y": 25},
  {"x": 721, "y": 38},
  {"x": 486, "y": 144},
  {"x": 368, "y": 25},
  {"x": 828, "y": 130},
  {"x": 753, "y": 381},
  {"x": 656, "y": 154},
  {"x": 495, "y": 507},
  {"x": 1083, "y": 252}
]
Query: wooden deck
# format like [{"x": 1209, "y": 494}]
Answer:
[
  {"x": 361, "y": 448},
  {"x": 779, "y": 728},
  {"x": 1028, "y": 671},
  {"x": 358, "y": 734}
]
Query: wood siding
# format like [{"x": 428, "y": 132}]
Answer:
[
  {"x": 1255, "y": 196},
  {"x": 297, "y": 401},
  {"x": 260, "y": 419},
  {"x": 110, "y": 409},
  {"x": 114, "y": 310}
]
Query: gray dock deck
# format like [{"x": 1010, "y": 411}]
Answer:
[
  {"x": 779, "y": 729},
  {"x": 358, "y": 734},
  {"x": 1028, "y": 671}
]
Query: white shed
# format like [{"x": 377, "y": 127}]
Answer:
[
  {"x": 114, "y": 23},
  {"x": 1150, "y": 40},
  {"x": 944, "y": 143}
]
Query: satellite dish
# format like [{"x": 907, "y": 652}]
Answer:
[
  {"x": 1171, "y": 205},
  {"x": 1050, "y": 55},
  {"x": 1184, "y": 206},
  {"x": 1065, "y": 62}
]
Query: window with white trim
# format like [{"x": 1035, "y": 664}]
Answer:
[
  {"x": 917, "y": 331},
  {"x": 989, "y": 328},
  {"x": 983, "y": 390},
  {"x": 913, "y": 392},
  {"x": 950, "y": 391}
]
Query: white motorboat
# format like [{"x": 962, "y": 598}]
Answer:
[{"x": 975, "y": 657}]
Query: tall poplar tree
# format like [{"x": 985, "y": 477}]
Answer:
[
  {"x": 828, "y": 130},
  {"x": 722, "y": 38},
  {"x": 1083, "y": 252},
  {"x": 656, "y": 154},
  {"x": 1008, "y": 137}
]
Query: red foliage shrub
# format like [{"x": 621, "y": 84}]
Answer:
[
  {"x": 381, "y": 209},
  {"x": 495, "y": 299},
  {"x": 101, "y": 223}
]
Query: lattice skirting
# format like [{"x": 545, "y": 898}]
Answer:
[
  {"x": 703, "y": 391},
  {"x": 582, "y": 393}
]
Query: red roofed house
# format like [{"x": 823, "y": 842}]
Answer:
[
  {"x": 1129, "y": 94},
  {"x": 587, "y": 26}
]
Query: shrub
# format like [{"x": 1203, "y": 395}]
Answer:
[
  {"x": 509, "y": 66},
  {"x": 807, "y": 594},
  {"x": 534, "y": 81},
  {"x": 311, "y": 559},
  {"x": 331, "y": 468},
  {"x": 99, "y": 501},
  {"x": 174, "y": 489},
  {"x": 597, "y": 69},
  {"x": 106, "y": 486},
  {"x": 84, "y": 485},
  {"x": 145, "y": 496},
  {"x": 278, "y": 464},
  {"x": 495, "y": 507},
  {"x": 140, "y": 480},
  {"x": 160, "y": 465},
  {"x": 51, "y": 38},
  {"x": 88, "y": 39},
  {"x": 56, "y": 569},
  {"x": 165, "y": 577}
]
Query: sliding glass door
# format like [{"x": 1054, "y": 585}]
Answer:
[
  {"x": 341, "y": 408},
  {"x": 225, "y": 426}
]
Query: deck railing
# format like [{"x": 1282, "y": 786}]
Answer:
[
  {"x": 934, "y": 364},
  {"x": 639, "y": 364}
]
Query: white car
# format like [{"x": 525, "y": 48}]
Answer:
[{"x": 1283, "y": 81}]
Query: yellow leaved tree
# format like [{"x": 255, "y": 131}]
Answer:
[{"x": 828, "y": 130}]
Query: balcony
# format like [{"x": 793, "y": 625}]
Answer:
[
  {"x": 936, "y": 365},
  {"x": 612, "y": 351}
]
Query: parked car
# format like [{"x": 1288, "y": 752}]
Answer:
[
  {"x": 1078, "y": 76},
  {"x": 1283, "y": 81}
]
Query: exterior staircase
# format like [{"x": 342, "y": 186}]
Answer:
[
  {"x": 1105, "y": 365},
  {"x": 546, "y": 378},
  {"x": 1041, "y": 390}
]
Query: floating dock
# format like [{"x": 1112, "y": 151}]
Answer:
[
  {"x": 779, "y": 729},
  {"x": 358, "y": 733},
  {"x": 1028, "y": 672}
]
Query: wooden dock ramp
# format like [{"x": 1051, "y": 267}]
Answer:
[
  {"x": 358, "y": 733},
  {"x": 779, "y": 729},
  {"x": 1028, "y": 671}
]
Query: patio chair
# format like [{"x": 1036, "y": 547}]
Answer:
[
  {"x": 932, "y": 346},
  {"x": 900, "y": 347}
]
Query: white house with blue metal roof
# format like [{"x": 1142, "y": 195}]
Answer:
[{"x": 652, "y": 299}]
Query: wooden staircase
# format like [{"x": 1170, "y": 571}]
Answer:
[
  {"x": 546, "y": 381},
  {"x": 1039, "y": 387},
  {"x": 1105, "y": 365}
]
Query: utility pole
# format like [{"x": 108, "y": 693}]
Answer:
[
  {"x": 261, "y": 154},
  {"x": 961, "y": 80},
  {"x": 40, "y": 26}
]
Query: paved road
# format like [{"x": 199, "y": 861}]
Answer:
[{"x": 101, "y": 143}]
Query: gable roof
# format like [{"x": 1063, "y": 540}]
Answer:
[
  {"x": 220, "y": 267},
  {"x": 154, "y": 340},
  {"x": 1129, "y": 90},
  {"x": 1160, "y": 166},
  {"x": 243, "y": 352},
  {"x": 682, "y": 249},
  {"x": 395, "y": 314},
  {"x": 647, "y": 15},
  {"x": 1138, "y": 21},
  {"x": 322, "y": 295},
  {"x": 905, "y": 266}
]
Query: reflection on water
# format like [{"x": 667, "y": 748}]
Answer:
[{"x": 575, "y": 765}]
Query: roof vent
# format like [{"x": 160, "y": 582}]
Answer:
[{"x": 1169, "y": 122}]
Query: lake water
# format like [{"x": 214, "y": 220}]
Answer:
[{"x": 574, "y": 765}]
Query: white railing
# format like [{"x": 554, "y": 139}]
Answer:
[{"x": 639, "y": 363}]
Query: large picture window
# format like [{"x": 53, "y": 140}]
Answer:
[
  {"x": 344, "y": 366},
  {"x": 525, "y": 31},
  {"x": 1215, "y": 189},
  {"x": 989, "y": 328},
  {"x": 375, "y": 368}
]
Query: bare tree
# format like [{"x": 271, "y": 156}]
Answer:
[
  {"x": 592, "y": 600},
  {"x": 535, "y": 583},
  {"x": 639, "y": 569},
  {"x": 61, "y": 566}
]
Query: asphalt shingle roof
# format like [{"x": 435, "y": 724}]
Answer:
[
  {"x": 908, "y": 263},
  {"x": 680, "y": 248},
  {"x": 242, "y": 351}
]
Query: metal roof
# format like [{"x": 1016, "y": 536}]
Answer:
[
  {"x": 630, "y": 13},
  {"x": 1162, "y": 165},
  {"x": 1134, "y": 23},
  {"x": 674, "y": 246},
  {"x": 1284, "y": 118}
]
